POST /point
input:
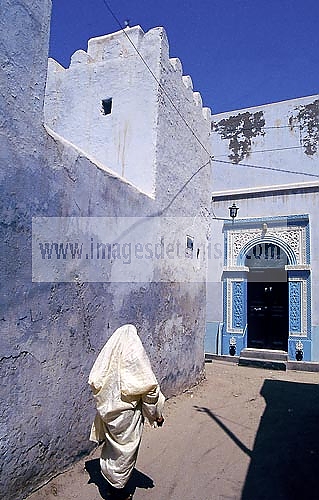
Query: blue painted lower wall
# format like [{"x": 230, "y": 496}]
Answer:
[
  {"x": 218, "y": 342},
  {"x": 306, "y": 343},
  {"x": 240, "y": 343},
  {"x": 315, "y": 343},
  {"x": 211, "y": 339}
]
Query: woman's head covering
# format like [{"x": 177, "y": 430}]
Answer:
[{"x": 122, "y": 368}]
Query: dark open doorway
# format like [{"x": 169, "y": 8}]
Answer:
[
  {"x": 267, "y": 298},
  {"x": 267, "y": 313}
]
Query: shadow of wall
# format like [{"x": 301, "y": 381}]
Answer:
[{"x": 285, "y": 459}]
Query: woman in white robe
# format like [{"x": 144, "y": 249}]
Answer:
[{"x": 126, "y": 391}]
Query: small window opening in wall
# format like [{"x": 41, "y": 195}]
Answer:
[
  {"x": 106, "y": 106},
  {"x": 189, "y": 245}
]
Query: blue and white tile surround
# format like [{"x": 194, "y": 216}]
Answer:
[{"x": 291, "y": 234}]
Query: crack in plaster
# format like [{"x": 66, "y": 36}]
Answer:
[{"x": 15, "y": 357}]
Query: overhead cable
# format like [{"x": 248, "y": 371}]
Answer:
[
  {"x": 212, "y": 158},
  {"x": 263, "y": 167},
  {"x": 156, "y": 79}
]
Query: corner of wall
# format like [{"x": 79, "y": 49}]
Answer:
[
  {"x": 117, "y": 44},
  {"x": 183, "y": 133},
  {"x": 121, "y": 67},
  {"x": 24, "y": 41}
]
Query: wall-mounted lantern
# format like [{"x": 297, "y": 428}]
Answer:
[
  {"x": 233, "y": 210},
  {"x": 299, "y": 351}
]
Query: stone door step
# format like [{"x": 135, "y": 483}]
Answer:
[{"x": 264, "y": 358}]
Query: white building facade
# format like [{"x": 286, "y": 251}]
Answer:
[{"x": 264, "y": 276}]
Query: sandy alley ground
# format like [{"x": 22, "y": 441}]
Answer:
[{"x": 244, "y": 433}]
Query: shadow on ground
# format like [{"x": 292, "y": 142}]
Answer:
[
  {"x": 137, "y": 479},
  {"x": 285, "y": 459}
]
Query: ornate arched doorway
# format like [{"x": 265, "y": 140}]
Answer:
[
  {"x": 267, "y": 285},
  {"x": 267, "y": 297}
]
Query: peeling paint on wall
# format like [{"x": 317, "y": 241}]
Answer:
[
  {"x": 307, "y": 118},
  {"x": 240, "y": 130}
]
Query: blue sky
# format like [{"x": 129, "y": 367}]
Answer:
[{"x": 239, "y": 53}]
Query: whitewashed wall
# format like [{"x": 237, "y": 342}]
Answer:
[
  {"x": 53, "y": 331},
  {"x": 269, "y": 167}
]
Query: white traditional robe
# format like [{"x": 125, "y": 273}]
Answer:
[{"x": 125, "y": 391}]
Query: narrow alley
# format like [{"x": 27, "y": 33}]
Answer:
[{"x": 242, "y": 434}]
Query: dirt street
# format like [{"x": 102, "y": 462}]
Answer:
[{"x": 244, "y": 433}]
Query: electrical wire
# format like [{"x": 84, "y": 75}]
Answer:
[
  {"x": 156, "y": 79},
  {"x": 212, "y": 158},
  {"x": 266, "y": 150},
  {"x": 251, "y": 128},
  {"x": 263, "y": 167}
]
